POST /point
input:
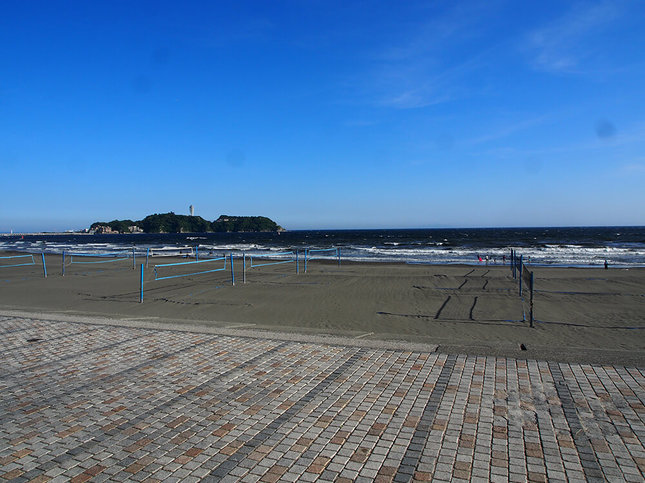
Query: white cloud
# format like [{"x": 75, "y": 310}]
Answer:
[
  {"x": 360, "y": 123},
  {"x": 635, "y": 167},
  {"x": 426, "y": 65},
  {"x": 421, "y": 82},
  {"x": 419, "y": 97},
  {"x": 507, "y": 130},
  {"x": 632, "y": 137},
  {"x": 567, "y": 44}
]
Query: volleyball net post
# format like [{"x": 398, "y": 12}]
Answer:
[
  {"x": 520, "y": 273},
  {"x": 44, "y": 265},
  {"x": 531, "y": 302},
  {"x": 232, "y": 270},
  {"x": 514, "y": 263},
  {"x": 511, "y": 264},
  {"x": 525, "y": 281},
  {"x": 141, "y": 286},
  {"x": 527, "y": 276}
]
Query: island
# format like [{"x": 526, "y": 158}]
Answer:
[{"x": 172, "y": 223}]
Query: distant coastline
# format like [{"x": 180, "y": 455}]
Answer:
[{"x": 52, "y": 233}]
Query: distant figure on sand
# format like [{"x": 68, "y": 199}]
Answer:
[{"x": 606, "y": 265}]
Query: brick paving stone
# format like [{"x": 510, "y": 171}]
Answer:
[{"x": 109, "y": 403}]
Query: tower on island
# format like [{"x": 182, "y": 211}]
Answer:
[{"x": 192, "y": 210}]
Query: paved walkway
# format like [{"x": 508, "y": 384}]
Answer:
[{"x": 81, "y": 401}]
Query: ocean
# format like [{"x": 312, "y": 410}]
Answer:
[{"x": 575, "y": 247}]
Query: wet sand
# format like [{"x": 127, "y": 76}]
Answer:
[{"x": 582, "y": 315}]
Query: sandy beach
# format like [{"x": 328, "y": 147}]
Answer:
[{"x": 582, "y": 315}]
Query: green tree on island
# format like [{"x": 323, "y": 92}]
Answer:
[{"x": 172, "y": 223}]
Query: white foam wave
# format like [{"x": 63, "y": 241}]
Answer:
[{"x": 632, "y": 254}]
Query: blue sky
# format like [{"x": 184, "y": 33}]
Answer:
[{"x": 323, "y": 114}]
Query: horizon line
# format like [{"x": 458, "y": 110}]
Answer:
[{"x": 438, "y": 227}]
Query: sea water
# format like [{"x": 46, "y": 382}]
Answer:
[{"x": 578, "y": 246}]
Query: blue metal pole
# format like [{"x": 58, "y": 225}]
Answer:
[
  {"x": 244, "y": 268},
  {"x": 141, "y": 286},
  {"x": 531, "y": 302},
  {"x": 520, "y": 275},
  {"x": 306, "y": 255},
  {"x": 297, "y": 263},
  {"x": 338, "y": 251},
  {"x": 513, "y": 262},
  {"x": 197, "y": 253},
  {"x": 134, "y": 258},
  {"x": 147, "y": 255},
  {"x": 44, "y": 266},
  {"x": 232, "y": 271}
]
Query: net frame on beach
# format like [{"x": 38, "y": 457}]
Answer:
[
  {"x": 176, "y": 252},
  {"x": 526, "y": 285},
  {"x": 183, "y": 264},
  {"x": 294, "y": 259},
  {"x": 158, "y": 277},
  {"x": 525, "y": 280},
  {"x": 31, "y": 262},
  {"x": 317, "y": 255},
  {"x": 87, "y": 258},
  {"x": 30, "y": 256}
]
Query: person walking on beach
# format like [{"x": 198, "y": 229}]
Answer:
[{"x": 606, "y": 265}]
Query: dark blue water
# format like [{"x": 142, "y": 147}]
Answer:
[{"x": 579, "y": 246}]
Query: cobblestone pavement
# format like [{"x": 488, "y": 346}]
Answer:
[{"x": 100, "y": 402}]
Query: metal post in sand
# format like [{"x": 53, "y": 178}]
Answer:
[{"x": 232, "y": 271}]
